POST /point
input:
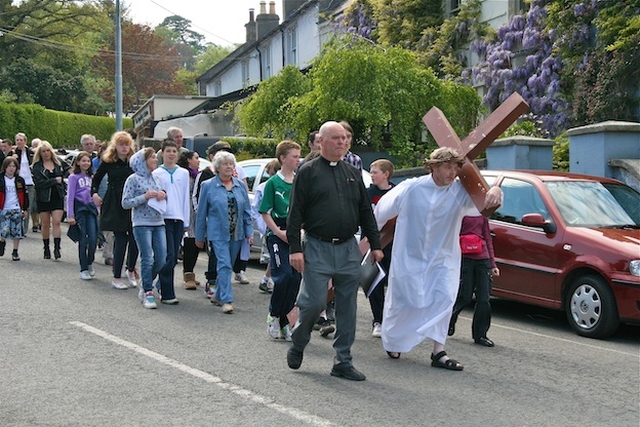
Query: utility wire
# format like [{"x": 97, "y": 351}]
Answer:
[
  {"x": 192, "y": 24},
  {"x": 89, "y": 51}
]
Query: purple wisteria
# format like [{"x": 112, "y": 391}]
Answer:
[{"x": 523, "y": 61}]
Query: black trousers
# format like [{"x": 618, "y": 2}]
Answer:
[
  {"x": 475, "y": 277},
  {"x": 376, "y": 299}
]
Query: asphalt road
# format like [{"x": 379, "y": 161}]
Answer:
[{"x": 77, "y": 353}]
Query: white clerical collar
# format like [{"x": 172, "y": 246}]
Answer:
[{"x": 333, "y": 163}]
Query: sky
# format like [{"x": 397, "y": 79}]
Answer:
[{"x": 220, "y": 21}]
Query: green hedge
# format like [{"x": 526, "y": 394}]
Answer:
[
  {"x": 60, "y": 128},
  {"x": 251, "y": 148}
]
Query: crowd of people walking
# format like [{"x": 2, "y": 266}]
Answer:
[{"x": 160, "y": 207}]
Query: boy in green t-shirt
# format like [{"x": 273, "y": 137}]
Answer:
[{"x": 274, "y": 209}]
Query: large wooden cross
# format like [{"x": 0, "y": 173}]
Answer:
[{"x": 477, "y": 141}]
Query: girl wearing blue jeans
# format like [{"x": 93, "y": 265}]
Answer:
[
  {"x": 143, "y": 194},
  {"x": 82, "y": 211}
]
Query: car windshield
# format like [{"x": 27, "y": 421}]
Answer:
[{"x": 587, "y": 204}]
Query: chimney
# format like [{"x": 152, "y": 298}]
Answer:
[
  {"x": 252, "y": 33},
  {"x": 290, "y": 6},
  {"x": 266, "y": 22}
]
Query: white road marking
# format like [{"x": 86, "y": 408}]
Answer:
[
  {"x": 247, "y": 394},
  {"x": 597, "y": 347}
]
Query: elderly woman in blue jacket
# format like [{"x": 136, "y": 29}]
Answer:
[{"x": 224, "y": 218}]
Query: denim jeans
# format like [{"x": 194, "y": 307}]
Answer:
[
  {"x": 88, "y": 238},
  {"x": 174, "y": 230},
  {"x": 226, "y": 253},
  {"x": 152, "y": 244}
]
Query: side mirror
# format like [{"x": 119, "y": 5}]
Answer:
[{"x": 537, "y": 220}]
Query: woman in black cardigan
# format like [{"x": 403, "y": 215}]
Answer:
[
  {"x": 48, "y": 179},
  {"x": 115, "y": 165}
]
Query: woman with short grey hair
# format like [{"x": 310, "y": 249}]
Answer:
[{"x": 224, "y": 220}]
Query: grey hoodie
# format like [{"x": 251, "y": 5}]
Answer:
[{"x": 135, "y": 187}]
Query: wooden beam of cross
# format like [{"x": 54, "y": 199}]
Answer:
[{"x": 476, "y": 142}]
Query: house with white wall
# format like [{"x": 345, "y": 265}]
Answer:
[{"x": 272, "y": 44}]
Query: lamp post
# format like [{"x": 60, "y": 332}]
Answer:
[{"x": 118, "y": 82}]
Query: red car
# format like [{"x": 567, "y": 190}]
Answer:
[{"x": 571, "y": 242}]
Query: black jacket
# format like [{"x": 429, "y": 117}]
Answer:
[
  {"x": 45, "y": 181},
  {"x": 112, "y": 216}
]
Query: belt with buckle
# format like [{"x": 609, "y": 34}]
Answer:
[{"x": 332, "y": 240}]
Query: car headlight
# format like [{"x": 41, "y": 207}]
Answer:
[{"x": 634, "y": 267}]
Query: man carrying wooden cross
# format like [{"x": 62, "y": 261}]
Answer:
[{"x": 425, "y": 267}]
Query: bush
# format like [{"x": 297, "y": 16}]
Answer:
[{"x": 61, "y": 129}]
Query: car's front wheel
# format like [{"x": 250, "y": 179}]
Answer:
[{"x": 591, "y": 307}]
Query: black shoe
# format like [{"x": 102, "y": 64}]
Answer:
[
  {"x": 485, "y": 342},
  {"x": 47, "y": 253},
  {"x": 56, "y": 254},
  {"x": 15, "y": 256},
  {"x": 2, "y": 246},
  {"x": 326, "y": 328},
  {"x": 348, "y": 373},
  {"x": 34, "y": 229},
  {"x": 452, "y": 330},
  {"x": 294, "y": 358}
]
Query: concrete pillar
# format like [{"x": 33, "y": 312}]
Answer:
[
  {"x": 520, "y": 152},
  {"x": 592, "y": 148}
]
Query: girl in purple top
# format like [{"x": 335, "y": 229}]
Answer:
[
  {"x": 476, "y": 276},
  {"x": 82, "y": 211}
]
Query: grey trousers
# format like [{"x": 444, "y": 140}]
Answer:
[{"x": 324, "y": 261}]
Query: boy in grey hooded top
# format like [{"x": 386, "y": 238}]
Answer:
[{"x": 148, "y": 223}]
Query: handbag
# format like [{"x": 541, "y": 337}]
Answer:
[{"x": 471, "y": 244}]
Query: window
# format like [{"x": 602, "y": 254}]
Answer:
[
  {"x": 520, "y": 198},
  {"x": 266, "y": 63},
  {"x": 245, "y": 73},
  {"x": 454, "y": 7},
  {"x": 217, "y": 88},
  {"x": 293, "y": 47}
]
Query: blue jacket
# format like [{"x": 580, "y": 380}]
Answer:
[{"x": 213, "y": 216}]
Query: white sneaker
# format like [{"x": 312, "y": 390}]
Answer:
[
  {"x": 85, "y": 275},
  {"x": 172, "y": 301},
  {"x": 118, "y": 285},
  {"x": 149, "y": 300},
  {"x": 273, "y": 327},
  {"x": 270, "y": 285},
  {"x": 377, "y": 330},
  {"x": 131, "y": 277},
  {"x": 285, "y": 333},
  {"x": 91, "y": 270},
  {"x": 242, "y": 278}
]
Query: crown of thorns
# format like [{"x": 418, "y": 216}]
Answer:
[{"x": 445, "y": 155}]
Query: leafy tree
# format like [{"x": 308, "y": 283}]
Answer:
[
  {"x": 180, "y": 31},
  {"x": 211, "y": 55},
  {"x": 383, "y": 93},
  {"x": 444, "y": 47},
  {"x": 149, "y": 66},
  {"x": 268, "y": 112},
  {"x": 44, "y": 85},
  {"x": 599, "y": 43},
  {"x": 401, "y": 22}
]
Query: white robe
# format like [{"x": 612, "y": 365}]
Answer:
[{"x": 425, "y": 261}]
